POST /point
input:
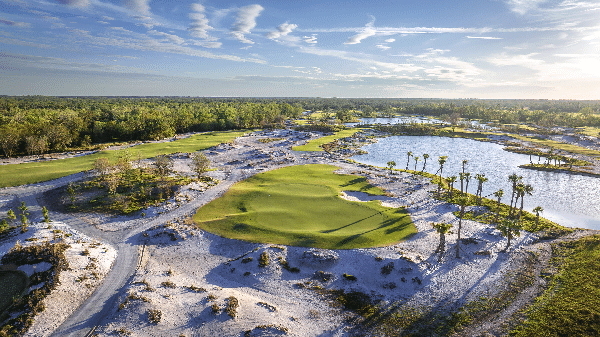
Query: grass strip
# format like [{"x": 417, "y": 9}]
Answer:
[
  {"x": 30, "y": 173},
  {"x": 300, "y": 206},
  {"x": 571, "y": 304},
  {"x": 315, "y": 144}
]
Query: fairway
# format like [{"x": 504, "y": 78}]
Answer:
[
  {"x": 315, "y": 144},
  {"x": 300, "y": 206},
  {"x": 30, "y": 173}
]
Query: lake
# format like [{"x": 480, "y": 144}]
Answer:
[{"x": 570, "y": 200}]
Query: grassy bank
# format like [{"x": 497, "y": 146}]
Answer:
[
  {"x": 571, "y": 304},
  {"x": 29, "y": 173},
  {"x": 300, "y": 206},
  {"x": 315, "y": 145}
]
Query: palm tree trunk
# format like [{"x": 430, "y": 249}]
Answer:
[
  {"x": 521, "y": 210},
  {"x": 497, "y": 211}
]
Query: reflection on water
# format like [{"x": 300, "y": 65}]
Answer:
[
  {"x": 396, "y": 120},
  {"x": 570, "y": 200}
]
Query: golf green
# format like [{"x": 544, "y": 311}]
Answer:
[{"x": 301, "y": 206}]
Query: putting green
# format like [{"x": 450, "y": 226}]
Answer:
[{"x": 300, "y": 206}]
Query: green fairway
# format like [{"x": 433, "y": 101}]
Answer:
[
  {"x": 315, "y": 145},
  {"x": 29, "y": 173},
  {"x": 300, "y": 206}
]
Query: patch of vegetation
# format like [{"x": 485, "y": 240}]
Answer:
[
  {"x": 215, "y": 308},
  {"x": 196, "y": 289},
  {"x": 349, "y": 277},
  {"x": 14, "y": 284},
  {"x": 283, "y": 329},
  {"x": 168, "y": 284},
  {"x": 31, "y": 304},
  {"x": 29, "y": 173},
  {"x": 570, "y": 305},
  {"x": 131, "y": 297},
  {"x": 121, "y": 189},
  {"x": 154, "y": 316},
  {"x": 300, "y": 206},
  {"x": 316, "y": 144},
  {"x": 263, "y": 260},
  {"x": 283, "y": 263},
  {"x": 232, "y": 305},
  {"x": 269, "y": 140}
]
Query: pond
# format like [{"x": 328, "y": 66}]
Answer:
[{"x": 570, "y": 200}]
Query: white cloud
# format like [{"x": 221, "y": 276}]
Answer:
[
  {"x": 390, "y": 40},
  {"x": 104, "y": 22},
  {"x": 107, "y": 18},
  {"x": 310, "y": 39},
  {"x": 523, "y": 6},
  {"x": 75, "y": 3},
  {"x": 484, "y": 37},
  {"x": 245, "y": 20},
  {"x": 200, "y": 27},
  {"x": 15, "y": 24},
  {"x": 208, "y": 44},
  {"x": 283, "y": 30},
  {"x": 170, "y": 37},
  {"x": 366, "y": 32},
  {"x": 383, "y": 47},
  {"x": 139, "y": 6}
]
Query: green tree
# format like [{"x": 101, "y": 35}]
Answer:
[
  {"x": 481, "y": 179},
  {"x": 408, "y": 154},
  {"x": 441, "y": 161},
  {"x": 464, "y": 163},
  {"x": 462, "y": 179},
  {"x": 537, "y": 212},
  {"x": 102, "y": 166},
  {"x": 416, "y": 161},
  {"x": 391, "y": 165},
  {"x": 527, "y": 189},
  {"x": 442, "y": 229},
  {"x": 199, "y": 164},
  {"x": 425, "y": 157},
  {"x": 514, "y": 179},
  {"x": 451, "y": 180},
  {"x": 467, "y": 179},
  {"x": 45, "y": 213},
  {"x": 498, "y": 194},
  {"x": 11, "y": 216},
  {"x": 462, "y": 202},
  {"x": 509, "y": 229},
  {"x": 163, "y": 165}
]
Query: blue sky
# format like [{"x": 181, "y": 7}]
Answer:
[{"x": 448, "y": 49}]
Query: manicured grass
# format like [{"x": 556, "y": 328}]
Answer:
[
  {"x": 315, "y": 145},
  {"x": 29, "y": 173},
  {"x": 590, "y": 131},
  {"x": 300, "y": 206},
  {"x": 559, "y": 145},
  {"x": 13, "y": 284},
  {"x": 571, "y": 304}
]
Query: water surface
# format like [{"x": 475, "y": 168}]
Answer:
[{"x": 570, "y": 200}]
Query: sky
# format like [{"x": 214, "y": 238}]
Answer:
[{"x": 541, "y": 49}]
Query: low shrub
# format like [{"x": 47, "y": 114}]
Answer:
[
  {"x": 232, "y": 305},
  {"x": 263, "y": 260},
  {"x": 154, "y": 315},
  {"x": 168, "y": 284}
]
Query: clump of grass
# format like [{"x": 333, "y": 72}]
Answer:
[
  {"x": 85, "y": 252},
  {"x": 268, "y": 306},
  {"x": 196, "y": 289},
  {"x": 349, "y": 277},
  {"x": 123, "y": 331},
  {"x": 168, "y": 284},
  {"x": 215, "y": 308},
  {"x": 263, "y": 260},
  {"x": 211, "y": 297},
  {"x": 154, "y": 316},
  {"x": 232, "y": 305},
  {"x": 247, "y": 259},
  {"x": 286, "y": 266},
  {"x": 387, "y": 269}
]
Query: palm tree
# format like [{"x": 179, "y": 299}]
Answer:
[
  {"x": 409, "y": 154},
  {"x": 467, "y": 178},
  {"x": 416, "y": 161},
  {"x": 425, "y": 157},
  {"x": 462, "y": 178},
  {"x": 520, "y": 191},
  {"x": 441, "y": 161},
  {"x": 509, "y": 228},
  {"x": 527, "y": 189},
  {"x": 464, "y": 162},
  {"x": 391, "y": 165},
  {"x": 451, "y": 180},
  {"x": 514, "y": 178},
  {"x": 462, "y": 202},
  {"x": 537, "y": 212},
  {"x": 443, "y": 229},
  {"x": 481, "y": 179},
  {"x": 498, "y": 194}
]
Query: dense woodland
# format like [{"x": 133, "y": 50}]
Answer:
[{"x": 40, "y": 124}]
